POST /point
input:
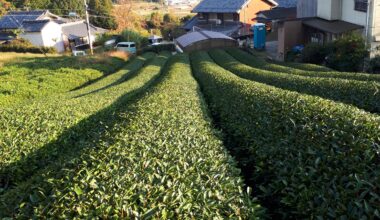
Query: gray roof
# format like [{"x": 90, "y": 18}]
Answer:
[
  {"x": 15, "y": 19},
  {"x": 334, "y": 27},
  {"x": 196, "y": 36},
  {"x": 35, "y": 26},
  {"x": 287, "y": 3},
  {"x": 79, "y": 30},
  {"x": 223, "y": 6},
  {"x": 227, "y": 6},
  {"x": 277, "y": 14}
]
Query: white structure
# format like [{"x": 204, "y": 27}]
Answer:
[{"x": 44, "y": 33}]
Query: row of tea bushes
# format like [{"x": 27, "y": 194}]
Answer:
[
  {"x": 307, "y": 157},
  {"x": 159, "y": 158},
  {"x": 262, "y": 64},
  {"x": 364, "y": 95},
  {"x": 33, "y": 135}
]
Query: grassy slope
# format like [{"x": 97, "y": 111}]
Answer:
[{"x": 35, "y": 77}]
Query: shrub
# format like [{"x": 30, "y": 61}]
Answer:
[
  {"x": 315, "y": 53},
  {"x": 374, "y": 65},
  {"x": 159, "y": 48},
  {"x": 307, "y": 157},
  {"x": 348, "y": 54},
  {"x": 132, "y": 36},
  {"x": 364, "y": 95},
  {"x": 24, "y": 46}
]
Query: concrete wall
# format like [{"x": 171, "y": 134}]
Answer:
[
  {"x": 350, "y": 15},
  {"x": 307, "y": 8},
  {"x": 248, "y": 13},
  {"x": 290, "y": 33},
  {"x": 330, "y": 9}
]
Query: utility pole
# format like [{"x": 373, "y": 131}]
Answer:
[{"x": 88, "y": 28}]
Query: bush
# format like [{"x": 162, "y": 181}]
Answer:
[
  {"x": 315, "y": 53},
  {"x": 364, "y": 95},
  {"x": 308, "y": 158},
  {"x": 348, "y": 54},
  {"x": 132, "y": 36},
  {"x": 24, "y": 46},
  {"x": 374, "y": 65}
]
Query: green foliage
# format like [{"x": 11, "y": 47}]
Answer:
[
  {"x": 316, "y": 53},
  {"x": 256, "y": 62},
  {"x": 306, "y": 156},
  {"x": 374, "y": 65},
  {"x": 101, "y": 14},
  {"x": 348, "y": 54},
  {"x": 364, "y": 95},
  {"x": 132, "y": 36},
  {"x": 40, "y": 77},
  {"x": 24, "y": 46},
  {"x": 151, "y": 154}
]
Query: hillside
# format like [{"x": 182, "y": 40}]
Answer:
[{"x": 210, "y": 135}]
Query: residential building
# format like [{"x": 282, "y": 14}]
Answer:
[
  {"x": 230, "y": 17},
  {"x": 322, "y": 21},
  {"x": 43, "y": 28}
]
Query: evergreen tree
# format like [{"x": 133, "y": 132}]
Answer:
[{"x": 101, "y": 14}]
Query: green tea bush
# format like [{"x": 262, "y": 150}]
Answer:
[
  {"x": 308, "y": 158},
  {"x": 262, "y": 64},
  {"x": 30, "y": 128},
  {"x": 364, "y": 95},
  {"x": 154, "y": 156},
  {"x": 316, "y": 53}
]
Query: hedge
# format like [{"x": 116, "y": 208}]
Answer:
[
  {"x": 257, "y": 63},
  {"x": 307, "y": 157},
  {"x": 154, "y": 156},
  {"x": 28, "y": 49},
  {"x": 364, "y": 95}
]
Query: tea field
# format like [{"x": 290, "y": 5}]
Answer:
[{"x": 210, "y": 135}]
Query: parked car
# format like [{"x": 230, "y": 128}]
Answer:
[{"x": 129, "y": 47}]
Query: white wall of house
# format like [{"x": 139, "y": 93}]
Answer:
[
  {"x": 349, "y": 13},
  {"x": 34, "y": 37},
  {"x": 52, "y": 36}
]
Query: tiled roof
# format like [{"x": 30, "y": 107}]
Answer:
[
  {"x": 222, "y": 6},
  {"x": 193, "y": 37},
  {"x": 277, "y": 14},
  {"x": 34, "y": 26},
  {"x": 79, "y": 30},
  {"x": 15, "y": 19}
]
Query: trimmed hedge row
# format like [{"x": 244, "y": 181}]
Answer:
[
  {"x": 158, "y": 159},
  {"x": 28, "y": 131},
  {"x": 307, "y": 157},
  {"x": 257, "y": 63},
  {"x": 364, "y": 95},
  {"x": 304, "y": 66}
]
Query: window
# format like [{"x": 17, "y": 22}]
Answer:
[{"x": 361, "y": 5}]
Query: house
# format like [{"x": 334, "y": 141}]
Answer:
[
  {"x": 43, "y": 28},
  {"x": 75, "y": 33},
  {"x": 271, "y": 17},
  {"x": 322, "y": 21},
  {"x": 230, "y": 17}
]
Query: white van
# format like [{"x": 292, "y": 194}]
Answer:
[{"x": 129, "y": 47}]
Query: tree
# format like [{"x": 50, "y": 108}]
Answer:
[
  {"x": 4, "y": 7},
  {"x": 101, "y": 14}
]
